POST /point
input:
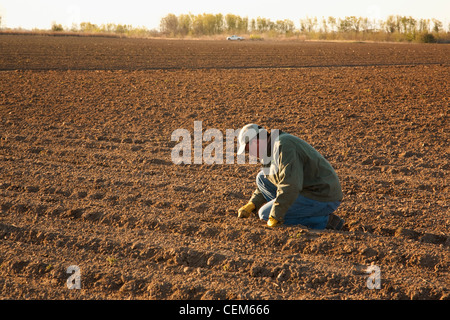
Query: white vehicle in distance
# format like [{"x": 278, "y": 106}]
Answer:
[{"x": 234, "y": 37}]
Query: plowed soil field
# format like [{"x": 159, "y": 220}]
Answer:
[{"x": 87, "y": 178}]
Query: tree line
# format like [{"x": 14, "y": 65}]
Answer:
[
  {"x": 393, "y": 28},
  {"x": 211, "y": 24},
  {"x": 216, "y": 24}
]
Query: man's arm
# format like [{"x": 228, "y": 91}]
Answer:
[{"x": 289, "y": 178}]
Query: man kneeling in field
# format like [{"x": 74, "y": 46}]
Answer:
[{"x": 296, "y": 185}]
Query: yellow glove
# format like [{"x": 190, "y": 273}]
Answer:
[
  {"x": 272, "y": 222},
  {"x": 245, "y": 211}
]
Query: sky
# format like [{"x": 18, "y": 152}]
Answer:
[{"x": 30, "y": 14}]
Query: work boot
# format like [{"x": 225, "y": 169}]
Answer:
[{"x": 334, "y": 222}]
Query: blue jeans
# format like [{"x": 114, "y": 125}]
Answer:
[{"x": 310, "y": 213}]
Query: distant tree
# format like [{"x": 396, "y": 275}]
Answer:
[
  {"x": 263, "y": 24},
  {"x": 408, "y": 25},
  {"x": 308, "y": 24},
  {"x": 89, "y": 27},
  {"x": 169, "y": 24},
  {"x": 122, "y": 28},
  {"x": 424, "y": 25},
  {"x": 109, "y": 27},
  {"x": 284, "y": 26},
  {"x": 57, "y": 27},
  {"x": 253, "y": 25},
  {"x": 391, "y": 24},
  {"x": 345, "y": 25},
  {"x": 197, "y": 25},
  {"x": 209, "y": 23},
  {"x": 242, "y": 24},
  {"x": 437, "y": 25},
  {"x": 365, "y": 24},
  {"x": 332, "y": 22},
  {"x": 219, "y": 23},
  {"x": 355, "y": 23},
  {"x": 324, "y": 27},
  {"x": 427, "y": 38},
  {"x": 184, "y": 24},
  {"x": 231, "y": 22}
]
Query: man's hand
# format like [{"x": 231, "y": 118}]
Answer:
[
  {"x": 245, "y": 211},
  {"x": 272, "y": 222}
]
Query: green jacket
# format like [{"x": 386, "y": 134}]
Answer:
[{"x": 297, "y": 168}]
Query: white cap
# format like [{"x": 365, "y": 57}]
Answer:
[{"x": 247, "y": 133}]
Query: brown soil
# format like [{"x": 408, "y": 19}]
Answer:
[{"x": 86, "y": 176}]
